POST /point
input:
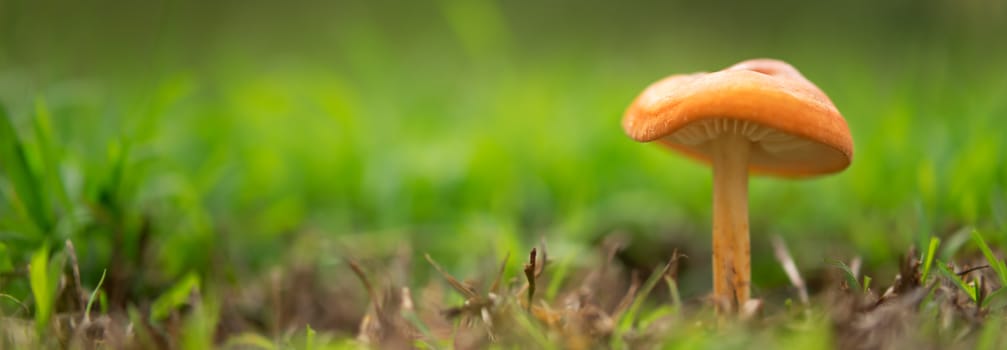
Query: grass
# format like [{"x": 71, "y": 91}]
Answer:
[
  {"x": 928, "y": 259},
  {"x": 994, "y": 263},
  {"x": 198, "y": 155}
]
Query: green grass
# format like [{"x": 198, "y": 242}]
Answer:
[
  {"x": 928, "y": 258},
  {"x": 995, "y": 263},
  {"x": 968, "y": 288},
  {"x": 184, "y": 146},
  {"x": 42, "y": 288},
  {"x": 95, "y": 295}
]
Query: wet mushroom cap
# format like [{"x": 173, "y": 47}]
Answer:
[{"x": 794, "y": 128}]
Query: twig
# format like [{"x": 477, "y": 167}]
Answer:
[
  {"x": 671, "y": 269},
  {"x": 367, "y": 284},
  {"x": 80, "y": 297},
  {"x": 545, "y": 259},
  {"x": 538, "y": 270},
  {"x": 969, "y": 270},
  {"x": 783, "y": 255},
  {"x": 628, "y": 298},
  {"x": 530, "y": 274},
  {"x": 614, "y": 246}
]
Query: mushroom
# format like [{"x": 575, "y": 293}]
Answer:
[{"x": 759, "y": 115}]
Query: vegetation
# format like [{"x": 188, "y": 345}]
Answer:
[{"x": 191, "y": 174}]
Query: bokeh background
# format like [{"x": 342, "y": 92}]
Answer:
[{"x": 223, "y": 137}]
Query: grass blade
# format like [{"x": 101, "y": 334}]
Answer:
[
  {"x": 38, "y": 278},
  {"x": 5, "y": 259},
  {"x": 990, "y": 334},
  {"x": 309, "y": 337},
  {"x": 175, "y": 297},
  {"x": 996, "y": 300},
  {"x": 851, "y": 279},
  {"x": 629, "y": 318},
  {"x": 558, "y": 277},
  {"x": 94, "y": 294},
  {"x": 249, "y": 340},
  {"x": 997, "y": 265},
  {"x": 968, "y": 289},
  {"x": 469, "y": 293},
  {"x": 534, "y": 331},
  {"x": 928, "y": 260},
  {"x": 49, "y": 151},
  {"x": 676, "y": 298},
  {"x": 27, "y": 192}
]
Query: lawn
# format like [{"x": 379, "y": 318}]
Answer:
[{"x": 196, "y": 174}]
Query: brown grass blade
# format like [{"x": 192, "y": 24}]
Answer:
[{"x": 468, "y": 292}]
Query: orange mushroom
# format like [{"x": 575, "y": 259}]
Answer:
[{"x": 759, "y": 115}]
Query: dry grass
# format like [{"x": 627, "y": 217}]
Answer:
[{"x": 606, "y": 306}]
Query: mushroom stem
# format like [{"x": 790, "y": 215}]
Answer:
[{"x": 731, "y": 252}]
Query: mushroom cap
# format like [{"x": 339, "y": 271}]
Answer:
[{"x": 795, "y": 129}]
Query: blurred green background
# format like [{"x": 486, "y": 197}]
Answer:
[{"x": 213, "y": 136}]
